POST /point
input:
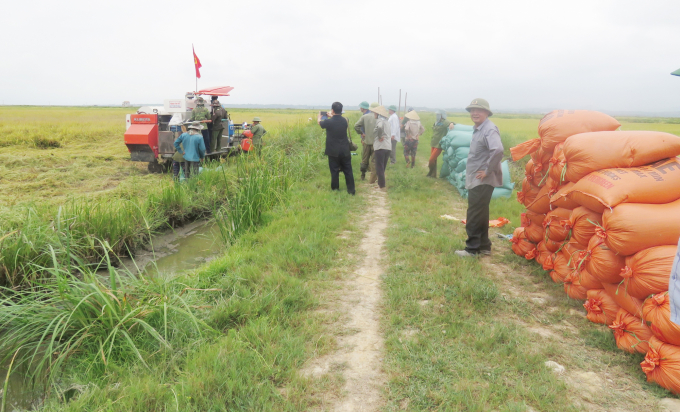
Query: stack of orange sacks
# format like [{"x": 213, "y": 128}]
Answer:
[{"x": 610, "y": 231}]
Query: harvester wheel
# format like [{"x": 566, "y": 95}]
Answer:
[{"x": 155, "y": 167}]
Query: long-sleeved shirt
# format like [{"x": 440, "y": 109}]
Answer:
[
  {"x": 200, "y": 114},
  {"x": 439, "y": 130},
  {"x": 413, "y": 129},
  {"x": 367, "y": 122},
  {"x": 382, "y": 130},
  {"x": 486, "y": 152},
  {"x": 337, "y": 142},
  {"x": 258, "y": 131},
  {"x": 194, "y": 148},
  {"x": 394, "y": 126}
]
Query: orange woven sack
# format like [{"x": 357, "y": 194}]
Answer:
[
  {"x": 534, "y": 218},
  {"x": 583, "y": 223},
  {"x": 601, "y": 262},
  {"x": 541, "y": 160},
  {"x": 560, "y": 199},
  {"x": 573, "y": 287},
  {"x": 542, "y": 203},
  {"x": 556, "y": 168},
  {"x": 534, "y": 233},
  {"x": 657, "y": 313},
  {"x": 529, "y": 169},
  {"x": 521, "y": 245},
  {"x": 601, "y": 308},
  {"x": 573, "y": 250},
  {"x": 648, "y": 272},
  {"x": 543, "y": 254},
  {"x": 656, "y": 183},
  {"x": 555, "y": 229},
  {"x": 588, "y": 152},
  {"x": 561, "y": 267},
  {"x": 632, "y": 227},
  {"x": 558, "y": 125},
  {"x": 528, "y": 193},
  {"x": 552, "y": 245},
  {"x": 662, "y": 365},
  {"x": 588, "y": 281},
  {"x": 623, "y": 299},
  {"x": 631, "y": 333}
]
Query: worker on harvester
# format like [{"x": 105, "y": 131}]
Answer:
[
  {"x": 218, "y": 114},
  {"x": 202, "y": 115}
]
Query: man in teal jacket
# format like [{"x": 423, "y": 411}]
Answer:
[{"x": 192, "y": 149}]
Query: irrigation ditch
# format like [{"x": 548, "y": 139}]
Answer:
[{"x": 94, "y": 284}]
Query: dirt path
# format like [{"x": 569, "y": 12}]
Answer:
[{"x": 359, "y": 358}]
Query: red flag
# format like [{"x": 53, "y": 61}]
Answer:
[{"x": 197, "y": 63}]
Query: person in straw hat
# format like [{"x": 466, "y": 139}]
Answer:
[
  {"x": 413, "y": 130},
  {"x": 258, "y": 131},
  {"x": 382, "y": 145},
  {"x": 365, "y": 126},
  {"x": 192, "y": 148},
  {"x": 482, "y": 174}
]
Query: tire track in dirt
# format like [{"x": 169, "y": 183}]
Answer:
[{"x": 358, "y": 302}]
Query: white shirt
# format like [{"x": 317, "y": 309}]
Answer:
[{"x": 394, "y": 126}]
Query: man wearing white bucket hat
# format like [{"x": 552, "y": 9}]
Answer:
[
  {"x": 413, "y": 130},
  {"x": 482, "y": 174},
  {"x": 192, "y": 149},
  {"x": 382, "y": 145}
]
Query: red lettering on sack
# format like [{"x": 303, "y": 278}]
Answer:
[{"x": 600, "y": 181}]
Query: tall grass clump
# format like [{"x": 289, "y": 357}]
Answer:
[{"x": 101, "y": 320}]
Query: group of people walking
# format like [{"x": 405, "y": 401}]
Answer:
[{"x": 380, "y": 131}]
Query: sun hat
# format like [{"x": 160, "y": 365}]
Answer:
[
  {"x": 200, "y": 100},
  {"x": 393, "y": 108},
  {"x": 195, "y": 125},
  {"x": 412, "y": 115},
  {"x": 256, "y": 119},
  {"x": 374, "y": 104},
  {"x": 215, "y": 103},
  {"x": 479, "y": 104},
  {"x": 381, "y": 111},
  {"x": 363, "y": 105}
]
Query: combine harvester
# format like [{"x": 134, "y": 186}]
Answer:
[{"x": 151, "y": 132}]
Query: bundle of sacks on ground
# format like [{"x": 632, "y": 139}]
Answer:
[
  {"x": 603, "y": 216},
  {"x": 455, "y": 148}
]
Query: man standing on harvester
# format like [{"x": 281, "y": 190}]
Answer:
[
  {"x": 258, "y": 131},
  {"x": 202, "y": 115},
  {"x": 218, "y": 114},
  {"x": 365, "y": 126},
  {"x": 482, "y": 174}
]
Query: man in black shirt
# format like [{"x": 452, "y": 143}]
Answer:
[{"x": 337, "y": 147}]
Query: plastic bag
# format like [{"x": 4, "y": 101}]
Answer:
[
  {"x": 588, "y": 152},
  {"x": 601, "y": 307},
  {"x": 648, "y": 271},
  {"x": 632, "y": 227},
  {"x": 656, "y": 183},
  {"x": 630, "y": 332}
]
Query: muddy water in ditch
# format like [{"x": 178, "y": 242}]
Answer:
[{"x": 176, "y": 251}]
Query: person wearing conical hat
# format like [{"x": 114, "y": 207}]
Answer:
[
  {"x": 395, "y": 130},
  {"x": 439, "y": 130},
  {"x": 482, "y": 174},
  {"x": 202, "y": 115},
  {"x": 382, "y": 145},
  {"x": 413, "y": 130},
  {"x": 365, "y": 126},
  {"x": 258, "y": 131}
]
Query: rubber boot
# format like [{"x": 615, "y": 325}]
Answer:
[{"x": 429, "y": 174}]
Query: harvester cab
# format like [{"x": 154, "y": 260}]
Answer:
[{"x": 151, "y": 132}]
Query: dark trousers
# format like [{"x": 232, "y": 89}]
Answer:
[
  {"x": 477, "y": 226},
  {"x": 206, "y": 139},
  {"x": 175, "y": 168},
  {"x": 344, "y": 164},
  {"x": 190, "y": 169},
  {"x": 381, "y": 157}
]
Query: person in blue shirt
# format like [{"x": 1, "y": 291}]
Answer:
[
  {"x": 192, "y": 149},
  {"x": 674, "y": 288}
]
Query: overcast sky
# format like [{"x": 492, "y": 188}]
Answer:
[{"x": 607, "y": 55}]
